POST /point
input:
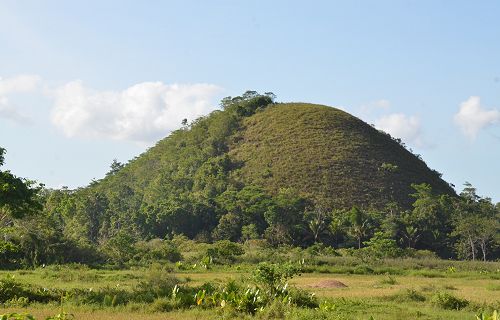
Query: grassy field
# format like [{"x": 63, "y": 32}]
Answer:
[{"x": 408, "y": 295}]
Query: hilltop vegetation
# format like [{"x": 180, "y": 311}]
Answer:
[{"x": 286, "y": 174}]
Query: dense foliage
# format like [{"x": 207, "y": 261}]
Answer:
[{"x": 290, "y": 174}]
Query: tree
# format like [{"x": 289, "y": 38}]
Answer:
[
  {"x": 488, "y": 235},
  {"x": 120, "y": 248},
  {"x": 249, "y": 232},
  {"x": 285, "y": 218},
  {"x": 337, "y": 225},
  {"x": 18, "y": 198},
  {"x": 429, "y": 223},
  {"x": 389, "y": 171},
  {"x": 359, "y": 224},
  {"x": 317, "y": 222},
  {"x": 476, "y": 224},
  {"x": 115, "y": 167},
  {"x": 250, "y": 204},
  {"x": 381, "y": 246},
  {"x": 248, "y": 103},
  {"x": 229, "y": 228}
]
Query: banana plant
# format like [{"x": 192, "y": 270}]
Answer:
[{"x": 483, "y": 316}]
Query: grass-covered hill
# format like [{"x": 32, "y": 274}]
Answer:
[
  {"x": 328, "y": 154},
  {"x": 324, "y": 153},
  {"x": 253, "y": 169}
]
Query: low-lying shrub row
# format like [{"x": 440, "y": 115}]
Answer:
[{"x": 165, "y": 293}]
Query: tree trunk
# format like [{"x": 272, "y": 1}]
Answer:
[
  {"x": 483, "y": 248},
  {"x": 473, "y": 249}
]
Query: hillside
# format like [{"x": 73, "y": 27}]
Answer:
[
  {"x": 328, "y": 154},
  {"x": 253, "y": 169}
]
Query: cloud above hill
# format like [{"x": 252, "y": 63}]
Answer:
[
  {"x": 143, "y": 112},
  {"x": 399, "y": 125},
  {"x": 12, "y": 85},
  {"x": 472, "y": 117}
]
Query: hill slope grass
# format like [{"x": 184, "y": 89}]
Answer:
[{"x": 328, "y": 154}]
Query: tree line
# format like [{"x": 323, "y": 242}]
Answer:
[{"x": 198, "y": 194}]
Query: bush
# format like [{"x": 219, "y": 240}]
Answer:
[
  {"x": 157, "y": 249},
  {"x": 363, "y": 269},
  {"x": 16, "y": 316},
  {"x": 388, "y": 280},
  {"x": 11, "y": 290},
  {"x": 321, "y": 249},
  {"x": 413, "y": 295},
  {"x": 420, "y": 254},
  {"x": 106, "y": 297},
  {"x": 225, "y": 251},
  {"x": 448, "y": 301},
  {"x": 161, "y": 305},
  {"x": 277, "y": 310},
  {"x": 379, "y": 246},
  {"x": 159, "y": 283},
  {"x": 274, "y": 277},
  {"x": 303, "y": 299}
]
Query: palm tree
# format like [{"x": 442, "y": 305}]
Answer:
[{"x": 359, "y": 224}]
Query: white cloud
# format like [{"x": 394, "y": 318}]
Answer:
[
  {"x": 143, "y": 112},
  {"x": 399, "y": 125},
  {"x": 9, "y": 112},
  {"x": 20, "y": 83},
  {"x": 471, "y": 117},
  {"x": 382, "y": 104},
  {"x": 17, "y": 84}
]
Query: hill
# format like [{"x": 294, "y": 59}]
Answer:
[
  {"x": 328, "y": 154},
  {"x": 256, "y": 168}
]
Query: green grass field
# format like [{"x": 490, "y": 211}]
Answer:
[{"x": 408, "y": 295}]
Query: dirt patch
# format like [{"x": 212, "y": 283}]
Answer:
[{"x": 329, "y": 283}]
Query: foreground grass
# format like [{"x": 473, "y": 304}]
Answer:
[
  {"x": 347, "y": 309},
  {"x": 407, "y": 295},
  {"x": 42, "y": 312}
]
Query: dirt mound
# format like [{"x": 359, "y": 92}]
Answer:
[{"x": 329, "y": 283}]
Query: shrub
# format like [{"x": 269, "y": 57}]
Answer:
[
  {"x": 363, "y": 269},
  {"x": 16, "y": 316},
  {"x": 414, "y": 295},
  {"x": 158, "y": 249},
  {"x": 420, "y": 254},
  {"x": 388, "y": 280},
  {"x": 302, "y": 298},
  {"x": 379, "y": 246},
  {"x": 224, "y": 251},
  {"x": 277, "y": 310},
  {"x": 274, "y": 277},
  {"x": 161, "y": 305},
  {"x": 107, "y": 297},
  {"x": 448, "y": 301},
  {"x": 321, "y": 249},
  {"x": 159, "y": 283},
  {"x": 11, "y": 289}
]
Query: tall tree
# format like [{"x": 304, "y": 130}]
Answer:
[
  {"x": 476, "y": 224},
  {"x": 359, "y": 224},
  {"x": 18, "y": 198}
]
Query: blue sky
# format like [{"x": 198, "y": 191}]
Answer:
[{"x": 84, "y": 82}]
